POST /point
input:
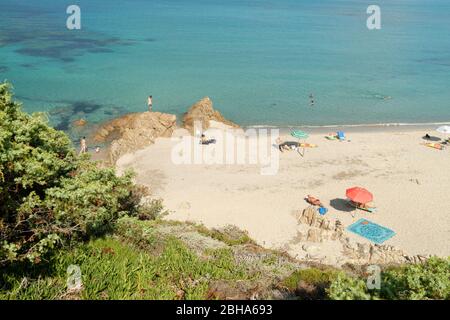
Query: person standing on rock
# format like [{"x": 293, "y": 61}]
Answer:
[
  {"x": 150, "y": 103},
  {"x": 83, "y": 145}
]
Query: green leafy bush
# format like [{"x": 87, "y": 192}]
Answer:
[
  {"x": 313, "y": 276},
  {"x": 47, "y": 193},
  {"x": 348, "y": 288},
  {"x": 430, "y": 280}
]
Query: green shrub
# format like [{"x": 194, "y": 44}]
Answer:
[
  {"x": 140, "y": 233},
  {"x": 229, "y": 234},
  {"x": 348, "y": 288},
  {"x": 151, "y": 210},
  {"x": 48, "y": 194},
  {"x": 430, "y": 280},
  {"x": 313, "y": 276}
]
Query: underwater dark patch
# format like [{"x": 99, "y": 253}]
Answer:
[
  {"x": 40, "y": 52},
  {"x": 62, "y": 117},
  {"x": 28, "y": 66},
  {"x": 436, "y": 61},
  {"x": 64, "y": 46},
  {"x": 100, "y": 50},
  {"x": 63, "y": 124},
  {"x": 85, "y": 107}
]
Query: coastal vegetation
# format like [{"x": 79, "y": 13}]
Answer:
[{"x": 59, "y": 209}]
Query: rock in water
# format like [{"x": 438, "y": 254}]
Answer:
[
  {"x": 204, "y": 112},
  {"x": 80, "y": 123}
]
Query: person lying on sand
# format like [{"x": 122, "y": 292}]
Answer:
[
  {"x": 369, "y": 206},
  {"x": 206, "y": 141},
  {"x": 287, "y": 145},
  {"x": 314, "y": 201}
]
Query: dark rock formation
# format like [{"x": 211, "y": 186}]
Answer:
[
  {"x": 135, "y": 131},
  {"x": 204, "y": 112}
]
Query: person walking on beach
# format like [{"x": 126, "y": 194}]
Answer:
[
  {"x": 83, "y": 145},
  {"x": 150, "y": 103}
]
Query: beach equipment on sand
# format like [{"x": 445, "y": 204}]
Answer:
[
  {"x": 331, "y": 136},
  {"x": 444, "y": 129},
  {"x": 427, "y": 137},
  {"x": 307, "y": 145},
  {"x": 437, "y": 146},
  {"x": 341, "y": 135},
  {"x": 371, "y": 231},
  {"x": 359, "y": 195},
  {"x": 300, "y": 135}
]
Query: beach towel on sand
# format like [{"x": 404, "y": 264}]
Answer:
[
  {"x": 434, "y": 145},
  {"x": 371, "y": 231}
]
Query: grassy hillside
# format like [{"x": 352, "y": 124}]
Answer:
[{"x": 170, "y": 260}]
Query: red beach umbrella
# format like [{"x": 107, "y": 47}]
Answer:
[{"x": 359, "y": 195}]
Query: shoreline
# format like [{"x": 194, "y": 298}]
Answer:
[
  {"x": 285, "y": 130},
  {"x": 356, "y": 128},
  {"x": 315, "y": 129}
]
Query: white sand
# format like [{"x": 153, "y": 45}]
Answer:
[{"x": 410, "y": 183}]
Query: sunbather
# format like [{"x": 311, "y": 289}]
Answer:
[
  {"x": 438, "y": 146},
  {"x": 370, "y": 207},
  {"x": 205, "y": 141},
  {"x": 314, "y": 201},
  {"x": 331, "y": 136},
  {"x": 287, "y": 146}
]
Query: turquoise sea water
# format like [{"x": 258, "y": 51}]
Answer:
[{"x": 257, "y": 59}]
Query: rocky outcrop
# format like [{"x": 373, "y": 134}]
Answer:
[
  {"x": 203, "y": 112},
  {"x": 319, "y": 229},
  {"x": 135, "y": 131},
  {"x": 80, "y": 123}
]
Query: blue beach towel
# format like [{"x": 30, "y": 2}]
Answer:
[{"x": 371, "y": 231}]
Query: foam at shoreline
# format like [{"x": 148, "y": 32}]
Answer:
[{"x": 382, "y": 127}]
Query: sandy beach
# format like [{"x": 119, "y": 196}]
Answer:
[{"x": 410, "y": 184}]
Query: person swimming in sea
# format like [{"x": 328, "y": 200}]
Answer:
[{"x": 311, "y": 100}]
